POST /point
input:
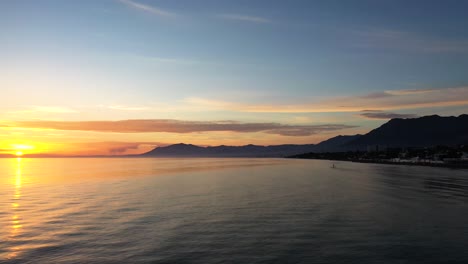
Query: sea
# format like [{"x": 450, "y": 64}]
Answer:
[{"x": 239, "y": 210}]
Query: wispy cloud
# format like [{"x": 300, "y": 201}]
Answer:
[
  {"x": 390, "y": 93},
  {"x": 53, "y": 109},
  {"x": 383, "y": 101},
  {"x": 149, "y": 9},
  {"x": 181, "y": 126},
  {"x": 407, "y": 41},
  {"x": 376, "y": 114},
  {"x": 410, "y": 91},
  {"x": 178, "y": 61},
  {"x": 118, "y": 148},
  {"x": 108, "y": 148},
  {"x": 47, "y": 109},
  {"x": 127, "y": 108},
  {"x": 252, "y": 19}
]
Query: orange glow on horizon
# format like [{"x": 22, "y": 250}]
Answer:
[
  {"x": 22, "y": 146},
  {"x": 20, "y": 149},
  {"x": 78, "y": 143}
]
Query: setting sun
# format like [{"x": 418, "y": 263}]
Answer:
[
  {"x": 20, "y": 149},
  {"x": 206, "y": 131},
  {"x": 20, "y": 146}
]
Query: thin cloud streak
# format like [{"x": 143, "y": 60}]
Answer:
[
  {"x": 178, "y": 61},
  {"x": 172, "y": 60},
  {"x": 390, "y": 93},
  {"x": 383, "y": 101},
  {"x": 252, "y": 19},
  {"x": 181, "y": 126},
  {"x": 119, "y": 148},
  {"x": 107, "y": 148},
  {"x": 127, "y": 108},
  {"x": 375, "y": 114},
  {"x": 406, "y": 41},
  {"x": 53, "y": 109},
  {"x": 47, "y": 109},
  {"x": 149, "y": 9},
  {"x": 410, "y": 91}
]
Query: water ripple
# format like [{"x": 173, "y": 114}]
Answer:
[{"x": 230, "y": 211}]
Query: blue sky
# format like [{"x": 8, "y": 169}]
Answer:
[{"x": 246, "y": 61}]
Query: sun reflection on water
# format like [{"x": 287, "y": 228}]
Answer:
[{"x": 16, "y": 224}]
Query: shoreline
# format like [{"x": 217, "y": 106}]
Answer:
[{"x": 424, "y": 164}]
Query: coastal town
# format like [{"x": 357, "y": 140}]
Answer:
[{"x": 436, "y": 156}]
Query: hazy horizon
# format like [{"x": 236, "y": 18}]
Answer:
[
  {"x": 353, "y": 116},
  {"x": 119, "y": 77}
]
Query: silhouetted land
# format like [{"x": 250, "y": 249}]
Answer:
[
  {"x": 396, "y": 136},
  {"x": 422, "y": 132},
  {"x": 439, "y": 156},
  {"x": 189, "y": 150}
]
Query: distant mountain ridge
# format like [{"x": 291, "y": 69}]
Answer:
[
  {"x": 410, "y": 132},
  {"x": 417, "y": 132},
  {"x": 189, "y": 150},
  {"x": 336, "y": 144}
]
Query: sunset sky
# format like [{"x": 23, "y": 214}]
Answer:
[{"x": 116, "y": 77}]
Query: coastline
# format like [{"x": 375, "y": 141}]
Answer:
[{"x": 425, "y": 164}]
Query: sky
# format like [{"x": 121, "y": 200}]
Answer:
[{"x": 114, "y": 77}]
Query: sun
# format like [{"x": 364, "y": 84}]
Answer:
[{"x": 20, "y": 149}]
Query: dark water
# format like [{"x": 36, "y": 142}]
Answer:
[{"x": 230, "y": 211}]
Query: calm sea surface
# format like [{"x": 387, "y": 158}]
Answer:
[{"x": 206, "y": 211}]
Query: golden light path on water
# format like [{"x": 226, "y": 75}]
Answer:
[
  {"x": 16, "y": 224},
  {"x": 146, "y": 210}
]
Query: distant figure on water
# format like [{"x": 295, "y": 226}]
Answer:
[{"x": 333, "y": 166}]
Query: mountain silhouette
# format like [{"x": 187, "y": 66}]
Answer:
[
  {"x": 188, "y": 150},
  {"x": 335, "y": 144},
  {"x": 411, "y": 132},
  {"x": 417, "y": 132}
]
